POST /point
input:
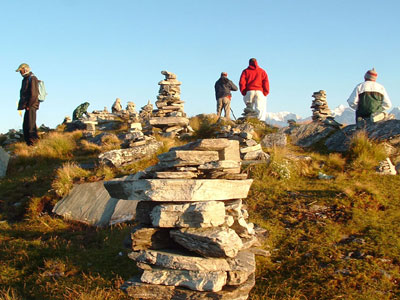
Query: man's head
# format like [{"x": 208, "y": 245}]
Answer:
[
  {"x": 371, "y": 75},
  {"x": 252, "y": 62},
  {"x": 23, "y": 69},
  {"x": 224, "y": 74}
]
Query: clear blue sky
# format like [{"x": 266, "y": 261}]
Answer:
[{"x": 97, "y": 50}]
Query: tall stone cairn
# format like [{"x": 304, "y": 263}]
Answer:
[
  {"x": 192, "y": 239},
  {"x": 169, "y": 115},
  {"x": 320, "y": 107}
]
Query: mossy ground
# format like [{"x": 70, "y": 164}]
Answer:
[{"x": 328, "y": 239}]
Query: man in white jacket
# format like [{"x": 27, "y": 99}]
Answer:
[{"x": 369, "y": 98}]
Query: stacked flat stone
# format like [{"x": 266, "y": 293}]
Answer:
[
  {"x": 320, "y": 107},
  {"x": 192, "y": 240},
  {"x": 169, "y": 115},
  {"x": 249, "y": 112},
  {"x": 250, "y": 150}
]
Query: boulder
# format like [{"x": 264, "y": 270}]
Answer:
[
  {"x": 381, "y": 131},
  {"x": 190, "y": 190},
  {"x": 274, "y": 140},
  {"x": 90, "y": 203},
  {"x": 4, "y": 158},
  {"x": 309, "y": 134},
  {"x": 209, "y": 242}
]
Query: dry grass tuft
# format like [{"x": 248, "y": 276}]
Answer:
[
  {"x": 365, "y": 153},
  {"x": 65, "y": 176}
]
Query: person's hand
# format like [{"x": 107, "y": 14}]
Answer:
[{"x": 27, "y": 108}]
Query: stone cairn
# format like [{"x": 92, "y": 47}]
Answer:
[
  {"x": 192, "y": 240},
  {"x": 320, "y": 107},
  {"x": 250, "y": 150},
  {"x": 169, "y": 115}
]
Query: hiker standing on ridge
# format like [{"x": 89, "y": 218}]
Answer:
[
  {"x": 29, "y": 100},
  {"x": 254, "y": 86},
  {"x": 369, "y": 99},
  {"x": 223, "y": 88}
]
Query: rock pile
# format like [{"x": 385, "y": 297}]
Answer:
[
  {"x": 250, "y": 150},
  {"x": 320, "y": 107},
  {"x": 169, "y": 115},
  {"x": 192, "y": 240}
]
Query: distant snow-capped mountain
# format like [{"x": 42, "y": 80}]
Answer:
[
  {"x": 342, "y": 114},
  {"x": 280, "y": 118}
]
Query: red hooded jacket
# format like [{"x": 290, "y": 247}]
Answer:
[{"x": 254, "y": 78}]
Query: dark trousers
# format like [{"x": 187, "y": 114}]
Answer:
[{"x": 29, "y": 126}]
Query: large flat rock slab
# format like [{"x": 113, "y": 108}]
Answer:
[
  {"x": 194, "y": 280},
  {"x": 209, "y": 242},
  {"x": 187, "y": 158},
  {"x": 90, "y": 203},
  {"x": 195, "y": 215},
  {"x": 4, "y": 158},
  {"x": 172, "y": 190},
  {"x": 177, "y": 260},
  {"x": 144, "y": 291},
  {"x": 169, "y": 121}
]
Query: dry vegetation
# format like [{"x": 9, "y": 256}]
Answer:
[{"x": 328, "y": 239}]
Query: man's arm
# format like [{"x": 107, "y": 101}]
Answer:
[
  {"x": 243, "y": 83},
  {"x": 265, "y": 85},
  {"x": 353, "y": 99},
  {"x": 386, "y": 103},
  {"x": 34, "y": 88},
  {"x": 233, "y": 87}
]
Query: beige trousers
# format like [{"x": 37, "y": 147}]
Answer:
[{"x": 224, "y": 103}]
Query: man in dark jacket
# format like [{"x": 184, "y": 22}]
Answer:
[
  {"x": 254, "y": 86},
  {"x": 29, "y": 101},
  {"x": 223, "y": 88}
]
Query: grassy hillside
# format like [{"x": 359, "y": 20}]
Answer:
[{"x": 333, "y": 238}]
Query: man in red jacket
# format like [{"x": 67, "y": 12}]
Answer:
[{"x": 254, "y": 86}]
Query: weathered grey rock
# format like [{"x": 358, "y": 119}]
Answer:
[
  {"x": 143, "y": 210},
  {"x": 143, "y": 238},
  {"x": 175, "y": 175},
  {"x": 256, "y": 155},
  {"x": 381, "y": 131},
  {"x": 169, "y": 121},
  {"x": 144, "y": 291},
  {"x": 241, "y": 267},
  {"x": 90, "y": 203},
  {"x": 398, "y": 168},
  {"x": 4, "y": 158},
  {"x": 309, "y": 134},
  {"x": 177, "y": 260},
  {"x": 221, "y": 165},
  {"x": 209, "y": 242},
  {"x": 174, "y": 190},
  {"x": 194, "y": 280},
  {"x": 250, "y": 149},
  {"x": 188, "y": 158},
  {"x": 242, "y": 228},
  {"x": 206, "y": 145},
  {"x": 194, "y": 215},
  {"x": 124, "y": 211},
  {"x": 123, "y": 157},
  {"x": 231, "y": 152},
  {"x": 274, "y": 140}
]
